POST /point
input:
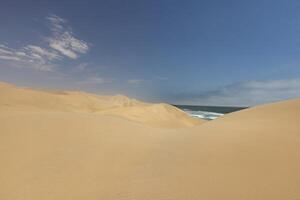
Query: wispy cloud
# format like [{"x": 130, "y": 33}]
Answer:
[
  {"x": 246, "y": 93},
  {"x": 63, "y": 40},
  {"x": 30, "y": 56},
  {"x": 56, "y": 23},
  {"x": 44, "y": 53},
  {"x": 95, "y": 80},
  {"x": 82, "y": 66},
  {"x": 135, "y": 81},
  {"x": 62, "y": 43}
]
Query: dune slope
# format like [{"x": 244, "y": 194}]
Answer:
[
  {"x": 160, "y": 115},
  {"x": 251, "y": 154},
  {"x": 57, "y": 154}
]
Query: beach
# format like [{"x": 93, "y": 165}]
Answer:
[{"x": 68, "y": 145}]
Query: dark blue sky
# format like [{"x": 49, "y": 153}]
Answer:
[{"x": 210, "y": 52}]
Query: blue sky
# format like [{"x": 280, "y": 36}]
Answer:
[{"x": 210, "y": 52}]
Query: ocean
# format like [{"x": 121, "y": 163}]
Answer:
[{"x": 208, "y": 112}]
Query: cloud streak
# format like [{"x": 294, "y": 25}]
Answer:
[
  {"x": 95, "y": 80},
  {"x": 135, "y": 81},
  {"x": 30, "y": 56},
  {"x": 246, "y": 93},
  {"x": 63, "y": 40},
  {"x": 56, "y": 23},
  {"x": 61, "y": 44}
]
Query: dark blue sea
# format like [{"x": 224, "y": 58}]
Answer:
[{"x": 208, "y": 112}]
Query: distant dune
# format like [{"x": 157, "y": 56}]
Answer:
[
  {"x": 28, "y": 100},
  {"x": 74, "y": 145}
]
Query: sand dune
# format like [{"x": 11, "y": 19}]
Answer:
[
  {"x": 250, "y": 154},
  {"x": 66, "y": 153},
  {"x": 160, "y": 115},
  {"x": 72, "y": 101}
]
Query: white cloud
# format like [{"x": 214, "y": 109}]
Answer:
[
  {"x": 63, "y": 40},
  {"x": 61, "y": 43},
  {"x": 82, "y": 66},
  {"x": 50, "y": 55},
  {"x": 95, "y": 80},
  {"x": 8, "y": 57},
  {"x": 135, "y": 81},
  {"x": 56, "y": 23},
  {"x": 29, "y": 57},
  {"x": 59, "y": 46},
  {"x": 247, "y": 93}
]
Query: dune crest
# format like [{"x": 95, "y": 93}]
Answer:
[
  {"x": 29, "y": 100},
  {"x": 162, "y": 115}
]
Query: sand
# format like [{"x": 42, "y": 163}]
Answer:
[
  {"x": 28, "y": 100},
  {"x": 74, "y": 145}
]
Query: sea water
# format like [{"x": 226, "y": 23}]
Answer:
[{"x": 208, "y": 112}]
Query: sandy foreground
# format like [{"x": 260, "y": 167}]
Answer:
[{"x": 75, "y": 145}]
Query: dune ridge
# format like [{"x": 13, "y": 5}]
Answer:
[
  {"x": 29, "y": 100},
  {"x": 63, "y": 155}
]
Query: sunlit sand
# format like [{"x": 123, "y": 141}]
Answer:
[{"x": 75, "y": 145}]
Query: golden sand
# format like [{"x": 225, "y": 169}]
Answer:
[{"x": 74, "y": 145}]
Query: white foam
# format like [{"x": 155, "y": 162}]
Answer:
[{"x": 203, "y": 114}]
